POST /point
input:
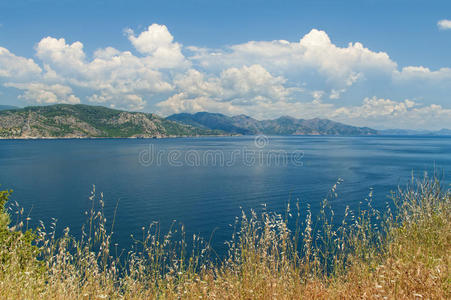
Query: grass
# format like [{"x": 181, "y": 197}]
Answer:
[{"x": 404, "y": 253}]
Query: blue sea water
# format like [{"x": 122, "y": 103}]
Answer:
[{"x": 206, "y": 182}]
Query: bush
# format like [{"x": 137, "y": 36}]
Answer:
[{"x": 18, "y": 254}]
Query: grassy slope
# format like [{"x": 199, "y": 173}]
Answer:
[
  {"x": 98, "y": 117},
  {"x": 409, "y": 258}
]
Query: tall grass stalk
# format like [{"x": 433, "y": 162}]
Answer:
[{"x": 404, "y": 252}]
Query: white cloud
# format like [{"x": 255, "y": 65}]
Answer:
[
  {"x": 234, "y": 87},
  {"x": 182, "y": 103},
  {"x": 131, "y": 101},
  {"x": 385, "y": 113},
  {"x": 65, "y": 57},
  {"x": 16, "y": 67},
  {"x": 158, "y": 44},
  {"x": 336, "y": 94},
  {"x": 374, "y": 107},
  {"x": 109, "y": 68},
  {"x": 317, "y": 95},
  {"x": 118, "y": 79},
  {"x": 232, "y": 83},
  {"x": 252, "y": 81},
  {"x": 444, "y": 24},
  {"x": 315, "y": 54},
  {"x": 422, "y": 73},
  {"x": 343, "y": 64},
  {"x": 45, "y": 94}
]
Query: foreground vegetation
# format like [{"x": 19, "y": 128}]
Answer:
[{"x": 404, "y": 253}]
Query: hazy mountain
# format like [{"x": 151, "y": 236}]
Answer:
[
  {"x": 211, "y": 121},
  {"x": 89, "y": 121},
  {"x": 442, "y": 131},
  {"x": 243, "y": 124},
  {"x": 6, "y": 107}
]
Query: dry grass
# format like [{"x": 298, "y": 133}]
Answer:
[{"x": 402, "y": 255}]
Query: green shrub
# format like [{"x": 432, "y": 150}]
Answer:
[{"x": 17, "y": 249}]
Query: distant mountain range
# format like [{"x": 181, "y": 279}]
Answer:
[
  {"x": 81, "y": 121},
  {"x": 243, "y": 124},
  {"x": 6, "y": 107},
  {"x": 86, "y": 121},
  {"x": 442, "y": 131}
]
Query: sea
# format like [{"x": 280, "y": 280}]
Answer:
[{"x": 204, "y": 184}]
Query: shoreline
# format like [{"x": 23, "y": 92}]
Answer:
[
  {"x": 200, "y": 136},
  {"x": 109, "y": 137}
]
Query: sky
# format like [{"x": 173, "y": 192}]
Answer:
[{"x": 377, "y": 63}]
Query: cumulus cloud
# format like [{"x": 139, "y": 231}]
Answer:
[
  {"x": 232, "y": 83},
  {"x": 45, "y": 94},
  {"x": 336, "y": 94},
  {"x": 158, "y": 44},
  {"x": 374, "y": 107},
  {"x": 315, "y": 54},
  {"x": 444, "y": 24},
  {"x": 234, "y": 87},
  {"x": 181, "y": 102},
  {"x": 19, "y": 68},
  {"x": 131, "y": 101},
  {"x": 117, "y": 79},
  {"x": 317, "y": 95},
  {"x": 423, "y": 73},
  {"x": 409, "y": 114},
  {"x": 65, "y": 57}
]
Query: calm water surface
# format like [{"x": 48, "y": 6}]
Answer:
[{"x": 205, "y": 182}]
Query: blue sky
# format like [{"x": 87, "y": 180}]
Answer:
[{"x": 261, "y": 58}]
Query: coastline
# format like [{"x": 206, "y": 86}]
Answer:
[
  {"x": 214, "y": 135},
  {"x": 109, "y": 137}
]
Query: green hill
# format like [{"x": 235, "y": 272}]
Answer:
[{"x": 81, "y": 121}]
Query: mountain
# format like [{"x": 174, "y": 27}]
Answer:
[
  {"x": 84, "y": 121},
  {"x": 441, "y": 132},
  {"x": 74, "y": 121},
  {"x": 7, "y": 107},
  {"x": 213, "y": 121},
  {"x": 243, "y": 124}
]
